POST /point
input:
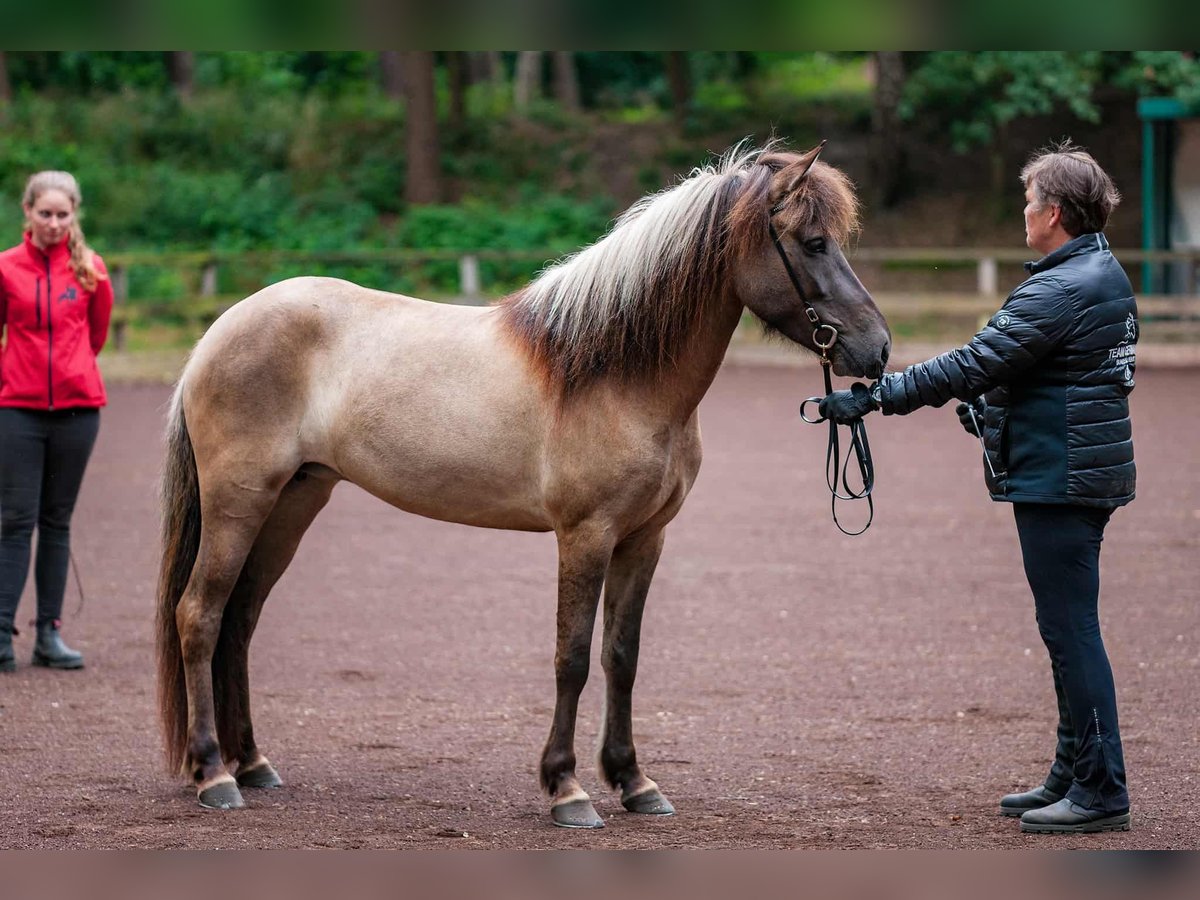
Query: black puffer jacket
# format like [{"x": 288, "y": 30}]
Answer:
[{"x": 1056, "y": 364}]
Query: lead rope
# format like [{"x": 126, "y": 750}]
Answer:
[
  {"x": 860, "y": 448},
  {"x": 838, "y": 470}
]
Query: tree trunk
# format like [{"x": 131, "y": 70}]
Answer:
[
  {"x": 457, "y": 69},
  {"x": 391, "y": 78},
  {"x": 182, "y": 65},
  {"x": 887, "y": 146},
  {"x": 679, "y": 76},
  {"x": 566, "y": 81},
  {"x": 423, "y": 177},
  {"x": 527, "y": 82},
  {"x": 5, "y": 87}
]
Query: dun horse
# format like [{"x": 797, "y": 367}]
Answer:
[{"x": 569, "y": 406}]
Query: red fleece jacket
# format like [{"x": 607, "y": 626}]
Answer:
[{"x": 53, "y": 330}]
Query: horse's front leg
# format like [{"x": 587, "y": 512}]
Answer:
[
  {"x": 629, "y": 575},
  {"x": 583, "y": 556}
]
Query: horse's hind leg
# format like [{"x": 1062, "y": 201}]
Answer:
[
  {"x": 233, "y": 512},
  {"x": 583, "y": 555},
  {"x": 299, "y": 502},
  {"x": 629, "y": 575}
]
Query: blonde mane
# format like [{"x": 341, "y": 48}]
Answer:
[{"x": 625, "y": 306}]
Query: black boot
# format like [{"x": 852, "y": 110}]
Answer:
[
  {"x": 1019, "y": 804},
  {"x": 8, "y": 660},
  {"x": 51, "y": 652},
  {"x": 1065, "y": 816}
]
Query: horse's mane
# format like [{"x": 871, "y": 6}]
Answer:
[{"x": 625, "y": 306}]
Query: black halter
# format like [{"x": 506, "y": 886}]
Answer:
[{"x": 860, "y": 448}]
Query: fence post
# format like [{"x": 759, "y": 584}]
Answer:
[
  {"x": 988, "y": 276},
  {"x": 120, "y": 287},
  {"x": 468, "y": 276},
  {"x": 208, "y": 279}
]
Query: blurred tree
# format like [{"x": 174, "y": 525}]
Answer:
[
  {"x": 5, "y": 88},
  {"x": 390, "y": 78},
  {"x": 486, "y": 69},
  {"x": 422, "y": 183},
  {"x": 614, "y": 79},
  {"x": 457, "y": 76},
  {"x": 566, "y": 80},
  {"x": 182, "y": 64},
  {"x": 487, "y": 65},
  {"x": 887, "y": 148},
  {"x": 527, "y": 83},
  {"x": 679, "y": 76}
]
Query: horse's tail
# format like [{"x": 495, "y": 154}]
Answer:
[{"x": 180, "y": 495}]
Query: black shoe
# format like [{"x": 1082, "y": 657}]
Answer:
[
  {"x": 1017, "y": 804},
  {"x": 51, "y": 652},
  {"x": 1065, "y": 816},
  {"x": 8, "y": 659}
]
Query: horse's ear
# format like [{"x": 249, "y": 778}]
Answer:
[{"x": 788, "y": 179}]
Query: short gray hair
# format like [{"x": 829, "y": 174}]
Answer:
[{"x": 1069, "y": 177}]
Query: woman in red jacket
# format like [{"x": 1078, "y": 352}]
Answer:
[{"x": 55, "y": 303}]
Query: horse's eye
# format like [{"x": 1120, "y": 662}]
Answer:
[{"x": 815, "y": 245}]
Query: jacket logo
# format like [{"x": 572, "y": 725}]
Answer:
[
  {"x": 1130, "y": 329},
  {"x": 1003, "y": 320},
  {"x": 68, "y": 294}
]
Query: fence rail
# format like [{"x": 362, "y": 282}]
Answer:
[{"x": 206, "y": 303}]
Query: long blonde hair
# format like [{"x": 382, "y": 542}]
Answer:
[{"x": 83, "y": 258}]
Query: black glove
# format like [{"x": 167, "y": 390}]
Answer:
[
  {"x": 845, "y": 407},
  {"x": 964, "y": 416}
]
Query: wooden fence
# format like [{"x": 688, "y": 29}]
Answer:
[{"x": 206, "y": 303}]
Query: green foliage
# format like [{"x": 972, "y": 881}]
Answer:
[
  {"x": 972, "y": 94},
  {"x": 815, "y": 76},
  {"x": 1163, "y": 72}
]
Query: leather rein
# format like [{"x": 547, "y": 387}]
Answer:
[{"x": 836, "y": 471}]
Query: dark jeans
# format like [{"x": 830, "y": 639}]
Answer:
[
  {"x": 42, "y": 459},
  {"x": 1061, "y": 549}
]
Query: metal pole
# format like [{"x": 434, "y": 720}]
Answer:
[{"x": 1148, "y": 211}]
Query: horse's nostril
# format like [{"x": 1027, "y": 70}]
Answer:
[{"x": 883, "y": 356}]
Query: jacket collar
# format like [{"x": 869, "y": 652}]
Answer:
[
  {"x": 55, "y": 253},
  {"x": 1095, "y": 242}
]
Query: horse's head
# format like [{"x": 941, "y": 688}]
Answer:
[{"x": 813, "y": 209}]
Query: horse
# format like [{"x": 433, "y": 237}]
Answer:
[{"x": 569, "y": 406}]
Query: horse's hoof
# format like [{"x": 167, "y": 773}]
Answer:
[
  {"x": 576, "y": 814},
  {"x": 262, "y": 775},
  {"x": 649, "y": 803},
  {"x": 222, "y": 795}
]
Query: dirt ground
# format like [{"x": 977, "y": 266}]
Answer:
[{"x": 797, "y": 688}]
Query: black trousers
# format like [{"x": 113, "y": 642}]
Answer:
[
  {"x": 42, "y": 459},
  {"x": 1061, "y": 550}
]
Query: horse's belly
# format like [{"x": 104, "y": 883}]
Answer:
[{"x": 452, "y": 494}]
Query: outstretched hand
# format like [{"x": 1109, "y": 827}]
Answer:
[
  {"x": 964, "y": 410},
  {"x": 845, "y": 407}
]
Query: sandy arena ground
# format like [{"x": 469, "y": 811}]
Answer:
[{"x": 797, "y": 688}]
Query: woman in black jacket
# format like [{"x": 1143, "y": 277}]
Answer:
[{"x": 1054, "y": 367}]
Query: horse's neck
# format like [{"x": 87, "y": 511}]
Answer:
[{"x": 681, "y": 388}]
